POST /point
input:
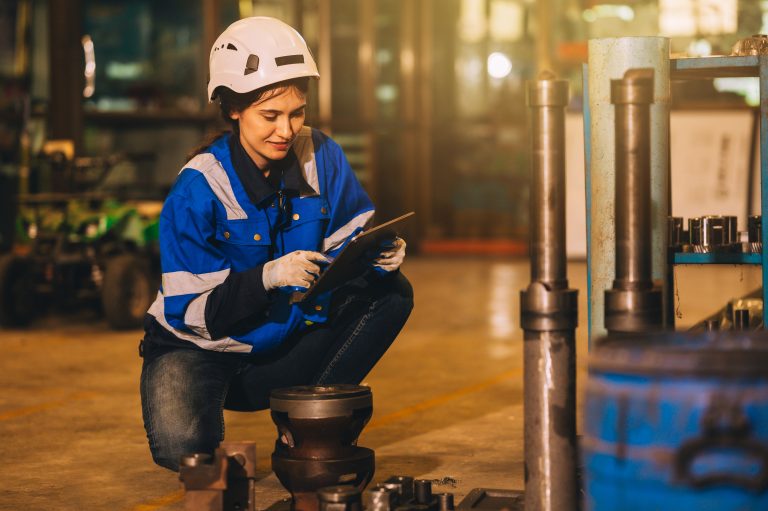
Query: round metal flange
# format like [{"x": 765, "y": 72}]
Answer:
[
  {"x": 339, "y": 494},
  {"x": 547, "y": 91},
  {"x": 317, "y": 402},
  {"x": 543, "y": 309},
  {"x": 633, "y": 310},
  {"x": 302, "y": 475}
]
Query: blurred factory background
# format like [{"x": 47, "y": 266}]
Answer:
[
  {"x": 426, "y": 96},
  {"x": 102, "y": 100}
]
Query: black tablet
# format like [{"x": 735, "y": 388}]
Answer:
[{"x": 352, "y": 261}]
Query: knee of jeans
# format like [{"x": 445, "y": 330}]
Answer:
[
  {"x": 167, "y": 453},
  {"x": 399, "y": 291},
  {"x": 404, "y": 286},
  {"x": 166, "y": 460}
]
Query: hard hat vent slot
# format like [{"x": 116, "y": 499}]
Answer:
[
  {"x": 231, "y": 46},
  {"x": 252, "y": 65},
  {"x": 289, "y": 59}
]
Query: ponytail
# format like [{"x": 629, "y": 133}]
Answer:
[{"x": 207, "y": 142}]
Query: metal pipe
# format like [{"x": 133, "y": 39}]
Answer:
[
  {"x": 547, "y": 99},
  {"x": 633, "y": 304},
  {"x": 549, "y": 314},
  {"x": 632, "y": 97}
]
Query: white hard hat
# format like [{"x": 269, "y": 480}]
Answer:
[{"x": 255, "y": 52}]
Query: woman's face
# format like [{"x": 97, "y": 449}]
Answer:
[{"x": 269, "y": 126}]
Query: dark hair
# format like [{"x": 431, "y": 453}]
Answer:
[{"x": 231, "y": 101}]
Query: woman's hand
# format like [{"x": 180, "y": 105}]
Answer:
[
  {"x": 392, "y": 257},
  {"x": 293, "y": 269}
]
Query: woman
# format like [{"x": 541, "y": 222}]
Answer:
[{"x": 252, "y": 216}]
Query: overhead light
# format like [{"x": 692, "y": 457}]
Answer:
[{"x": 499, "y": 65}]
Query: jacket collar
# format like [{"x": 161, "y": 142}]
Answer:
[{"x": 259, "y": 188}]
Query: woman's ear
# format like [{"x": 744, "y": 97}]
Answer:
[{"x": 234, "y": 116}]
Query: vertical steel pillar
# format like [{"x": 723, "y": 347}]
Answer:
[
  {"x": 65, "y": 110},
  {"x": 549, "y": 314},
  {"x": 634, "y": 304}
]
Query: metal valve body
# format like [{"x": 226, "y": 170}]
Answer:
[{"x": 318, "y": 427}]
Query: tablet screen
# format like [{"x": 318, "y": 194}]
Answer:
[{"x": 352, "y": 261}]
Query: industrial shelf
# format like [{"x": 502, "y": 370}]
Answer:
[
  {"x": 697, "y": 68},
  {"x": 751, "y": 66},
  {"x": 716, "y": 258},
  {"x": 715, "y": 67}
]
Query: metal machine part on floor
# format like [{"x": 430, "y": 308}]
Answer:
[
  {"x": 222, "y": 482},
  {"x": 716, "y": 234},
  {"x": 740, "y": 314},
  {"x": 316, "y": 446},
  {"x": 339, "y": 498},
  {"x": 398, "y": 493},
  {"x": 404, "y": 493}
]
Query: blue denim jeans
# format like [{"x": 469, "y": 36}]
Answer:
[{"x": 184, "y": 391}]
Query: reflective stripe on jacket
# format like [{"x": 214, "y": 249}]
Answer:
[{"x": 209, "y": 228}]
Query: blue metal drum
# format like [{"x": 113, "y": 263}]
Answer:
[{"x": 677, "y": 422}]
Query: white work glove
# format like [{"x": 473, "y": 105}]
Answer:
[
  {"x": 293, "y": 269},
  {"x": 391, "y": 258}
]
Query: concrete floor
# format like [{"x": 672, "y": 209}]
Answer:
[{"x": 447, "y": 396}]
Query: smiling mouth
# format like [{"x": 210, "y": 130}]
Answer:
[{"x": 281, "y": 145}]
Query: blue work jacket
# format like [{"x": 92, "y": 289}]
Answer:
[{"x": 210, "y": 228}]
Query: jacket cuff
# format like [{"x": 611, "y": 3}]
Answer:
[{"x": 239, "y": 301}]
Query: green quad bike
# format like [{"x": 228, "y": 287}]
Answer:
[{"x": 81, "y": 250}]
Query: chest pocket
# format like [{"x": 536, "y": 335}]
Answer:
[
  {"x": 309, "y": 218},
  {"x": 244, "y": 242}
]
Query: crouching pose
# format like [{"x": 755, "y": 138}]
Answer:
[{"x": 256, "y": 212}]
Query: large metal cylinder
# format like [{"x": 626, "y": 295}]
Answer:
[
  {"x": 633, "y": 304},
  {"x": 609, "y": 59},
  {"x": 549, "y": 314}
]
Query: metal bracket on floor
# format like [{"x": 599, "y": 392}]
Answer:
[
  {"x": 486, "y": 499},
  {"x": 222, "y": 482}
]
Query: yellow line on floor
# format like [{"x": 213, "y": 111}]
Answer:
[
  {"x": 440, "y": 400},
  {"x": 159, "y": 502},
  {"x": 176, "y": 496},
  {"x": 29, "y": 410}
]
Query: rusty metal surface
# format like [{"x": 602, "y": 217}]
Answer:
[{"x": 609, "y": 59}]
